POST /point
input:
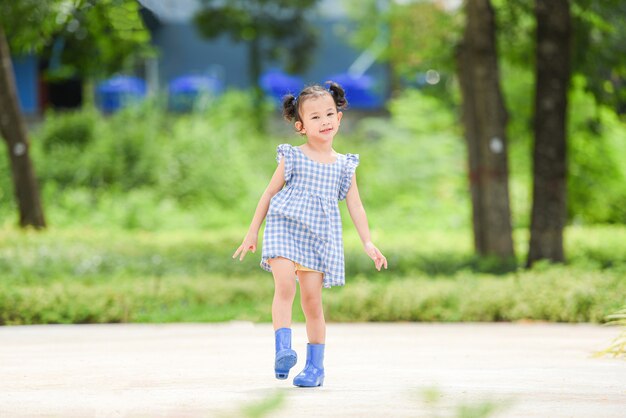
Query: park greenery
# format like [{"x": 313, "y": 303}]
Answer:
[
  {"x": 469, "y": 47},
  {"x": 81, "y": 275},
  {"x": 67, "y": 35},
  {"x": 144, "y": 207}
]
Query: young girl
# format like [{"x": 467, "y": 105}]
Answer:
[{"x": 303, "y": 230}]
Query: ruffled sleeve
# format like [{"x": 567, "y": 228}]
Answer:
[
  {"x": 352, "y": 161},
  {"x": 285, "y": 151}
]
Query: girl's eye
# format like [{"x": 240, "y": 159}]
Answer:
[
  {"x": 330, "y": 114},
  {"x": 315, "y": 117}
]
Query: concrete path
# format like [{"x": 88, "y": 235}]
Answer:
[{"x": 372, "y": 370}]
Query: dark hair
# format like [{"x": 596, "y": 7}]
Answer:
[{"x": 291, "y": 103}]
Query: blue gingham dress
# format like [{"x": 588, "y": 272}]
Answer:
[{"x": 303, "y": 222}]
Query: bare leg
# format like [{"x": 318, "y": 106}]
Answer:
[
  {"x": 311, "y": 299},
  {"x": 284, "y": 291}
]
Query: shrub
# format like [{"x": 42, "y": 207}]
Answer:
[{"x": 104, "y": 275}]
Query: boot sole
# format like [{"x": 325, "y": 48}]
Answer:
[
  {"x": 283, "y": 364},
  {"x": 311, "y": 386}
]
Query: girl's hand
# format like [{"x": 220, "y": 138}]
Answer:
[
  {"x": 248, "y": 244},
  {"x": 376, "y": 255}
]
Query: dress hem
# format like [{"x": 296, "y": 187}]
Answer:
[{"x": 327, "y": 284}]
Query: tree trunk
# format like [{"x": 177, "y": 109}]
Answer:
[
  {"x": 549, "y": 210},
  {"x": 255, "y": 68},
  {"x": 484, "y": 118},
  {"x": 13, "y": 130}
]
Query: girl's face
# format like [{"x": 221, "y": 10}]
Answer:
[{"x": 320, "y": 118}]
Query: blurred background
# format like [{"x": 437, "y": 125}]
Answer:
[{"x": 139, "y": 136}]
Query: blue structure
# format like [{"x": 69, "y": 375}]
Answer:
[
  {"x": 184, "y": 51},
  {"x": 119, "y": 91},
  {"x": 26, "y": 78},
  {"x": 188, "y": 91},
  {"x": 276, "y": 84},
  {"x": 360, "y": 91}
]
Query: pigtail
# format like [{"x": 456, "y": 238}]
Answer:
[
  {"x": 338, "y": 93},
  {"x": 291, "y": 103},
  {"x": 290, "y": 107}
]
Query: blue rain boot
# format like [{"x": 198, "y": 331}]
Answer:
[
  {"x": 313, "y": 373},
  {"x": 285, "y": 357}
]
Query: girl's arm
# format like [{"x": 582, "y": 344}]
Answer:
[
  {"x": 357, "y": 212},
  {"x": 276, "y": 184}
]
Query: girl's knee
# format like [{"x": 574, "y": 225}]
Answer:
[
  {"x": 314, "y": 314},
  {"x": 312, "y": 306},
  {"x": 285, "y": 291}
]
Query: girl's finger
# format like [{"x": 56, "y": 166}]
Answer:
[
  {"x": 243, "y": 254},
  {"x": 237, "y": 252},
  {"x": 385, "y": 262}
]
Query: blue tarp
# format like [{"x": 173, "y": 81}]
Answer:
[
  {"x": 360, "y": 91},
  {"x": 25, "y": 70},
  {"x": 117, "y": 92},
  {"x": 184, "y": 91},
  {"x": 194, "y": 84},
  {"x": 276, "y": 84}
]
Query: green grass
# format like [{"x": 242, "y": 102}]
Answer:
[
  {"x": 618, "y": 346},
  {"x": 106, "y": 275}
]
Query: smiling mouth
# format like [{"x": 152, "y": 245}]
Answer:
[{"x": 326, "y": 130}]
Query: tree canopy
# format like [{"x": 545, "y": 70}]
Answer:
[
  {"x": 79, "y": 37},
  {"x": 423, "y": 36}
]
